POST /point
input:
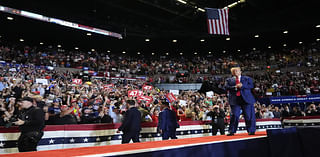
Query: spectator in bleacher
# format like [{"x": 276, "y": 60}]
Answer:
[
  {"x": 276, "y": 112},
  {"x": 104, "y": 116},
  {"x": 286, "y": 112},
  {"x": 296, "y": 112},
  {"x": 65, "y": 116},
  {"x": 267, "y": 114},
  {"x": 258, "y": 113},
  {"x": 312, "y": 110}
]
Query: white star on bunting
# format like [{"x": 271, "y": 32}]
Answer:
[
  {"x": 1, "y": 144},
  {"x": 51, "y": 141}
]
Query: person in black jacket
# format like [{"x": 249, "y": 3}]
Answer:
[
  {"x": 131, "y": 125},
  {"x": 217, "y": 116},
  {"x": 31, "y": 123}
]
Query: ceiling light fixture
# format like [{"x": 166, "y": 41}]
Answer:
[
  {"x": 182, "y": 1},
  {"x": 147, "y": 40},
  {"x": 256, "y": 36},
  {"x": 227, "y": 38},
  {"x": 10, "y": 18},
  {"x": 285, "y": 32},
  {"x": 202, "y": 10}
]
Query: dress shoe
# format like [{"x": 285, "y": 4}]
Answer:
[
  {"x": 230, "y": 134},
  {"x": 251, "y": 133}
]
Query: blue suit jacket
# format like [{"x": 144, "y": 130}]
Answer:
[
  {"x": 167, "y": 120},
  {"x": 132, "y": 121},
  {"x": 247, "y": 85}
]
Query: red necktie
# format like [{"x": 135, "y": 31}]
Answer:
[{"x": 237, "y": 82}]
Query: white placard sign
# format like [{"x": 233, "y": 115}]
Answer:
[
  {"x": 209, "y": 94},
  {"x": 42, "y": 81},
  {"x": 174, "y": 92},
  {"x": 183, "y": 102}
]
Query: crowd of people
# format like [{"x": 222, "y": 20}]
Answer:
[{"x": 66, "y": 102}]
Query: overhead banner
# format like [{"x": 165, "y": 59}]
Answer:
[{"x": 295, "y": 99}]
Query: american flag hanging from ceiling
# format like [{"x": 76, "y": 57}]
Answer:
[{"x": 218, "y": 21}]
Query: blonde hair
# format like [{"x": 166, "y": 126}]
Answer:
[{"x": 234, "y": 69}]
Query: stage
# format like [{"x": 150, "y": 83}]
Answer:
[
  {"x": 209, "y": 146},
  {"x": 87, "y": 135},
  {"x": 288, "y": 142}
]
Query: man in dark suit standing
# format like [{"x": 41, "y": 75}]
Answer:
[
  {"x": 131, "y": 125},
  {"x": 240, "y": 97},
  {"x": 167, "y": 122}
]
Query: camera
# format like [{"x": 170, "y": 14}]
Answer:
[{"x": 10, "y": 122}]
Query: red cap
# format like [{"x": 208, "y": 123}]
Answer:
[
  {"x": 36, "y": 92},
  {"x": 64, "y": 106}
]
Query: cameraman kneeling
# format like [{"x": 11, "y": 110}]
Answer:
[
  {"x": 217, "y": 115},
  {"x": 31, "y": 123}
]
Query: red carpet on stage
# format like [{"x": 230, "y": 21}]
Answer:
[{"x": 131, "y": 148}]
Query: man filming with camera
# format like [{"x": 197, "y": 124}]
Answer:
[
  {"x": 31, "y": 123},
  {"x": 217, "y": 116}
]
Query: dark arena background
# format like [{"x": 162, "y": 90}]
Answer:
[{"x": 80, "y": 61}]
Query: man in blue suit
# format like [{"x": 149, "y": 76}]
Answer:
[
  {"x": 240, "y": 97},
  {"x": 167, "y": 122},
  {"x": 131, "y": 125}
]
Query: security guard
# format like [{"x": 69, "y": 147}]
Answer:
[{"x": 31, "y": 123}]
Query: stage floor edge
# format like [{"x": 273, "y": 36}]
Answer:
[{"x": 158, "y": 148}]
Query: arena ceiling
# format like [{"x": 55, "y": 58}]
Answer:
[{"x": 163, "y": 21}]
